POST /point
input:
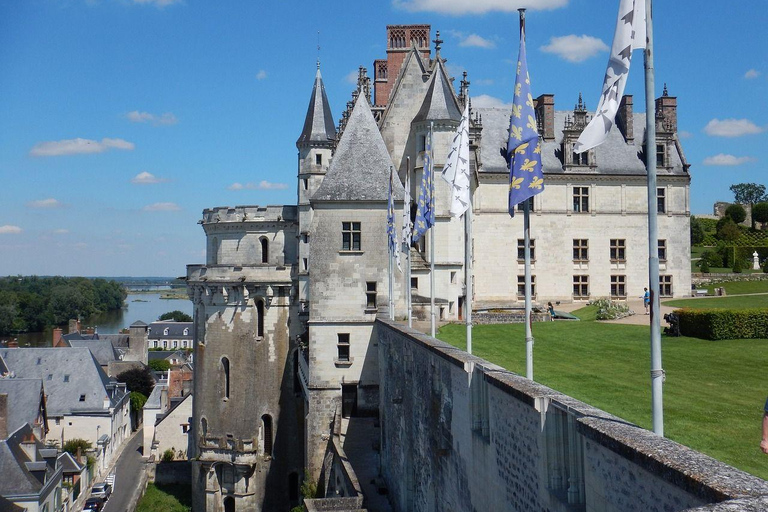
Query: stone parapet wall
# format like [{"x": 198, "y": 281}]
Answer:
[
  {"x": 461, "y": 433},
  {"x": 510, "y": 317}
]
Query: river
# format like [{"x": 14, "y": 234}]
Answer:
[{"x": 146, "y": 307}]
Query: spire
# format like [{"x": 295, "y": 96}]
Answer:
[
  {"x": 439, "y": 102},
  {"x": 318, "y": 125}
]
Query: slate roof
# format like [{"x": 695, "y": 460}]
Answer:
[
  {"x": 318, "y": 124},
  {"x": 24, "y": 398},
  {"x": 69, "y": 464},
  {"x": 175, "y": 330},
  {"x": 16, "y": 467},
  {"x": 359, "y": 170},
  {"x": 118, "y": 340},
  {"x": 67, "y": 374},
  {"x": 439, "y": 102},
  {"x": 615, "y": 156},
  {"x": 102, "y": 350}
]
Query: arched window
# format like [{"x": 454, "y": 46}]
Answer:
[
  {"x": 259, "y": 318},
  {"x": 225, "y": 376},
  {"x": 266, "y": 425},
  {"x": 264, "y": 250},
  {"x": 229, "y": 504}
]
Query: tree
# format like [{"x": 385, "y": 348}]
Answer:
[
  {"x": 760, "y": 213},
  {"x": 176, "y": 316},
  {"x": 697, "y": 232},
  {"x": 736, "y": 212},
  {"x": 160, "y": 365},
  {"x": 137, "y": 401},
  {"x": 728, "y": 230},
  {"x": 72, "y": 446},
  {"x": 138, "y": 379},
  {"x": 749, "y": 193}
]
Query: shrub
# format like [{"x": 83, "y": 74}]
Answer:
[
  {"x": 72, "y": 445},
  {"x": 724, "y": 324},
  {"x": 704, "y": 266},
  {"x": 765, "y": 266},
  {"x": 610, "y": 310},
  {"x": 736, "y": 212},
  {"x": 737, "y": 266},
  {"x": 160, "y": 365},
  {"x": 168, "y": 455},
  {"x": 728, "y": 231}
]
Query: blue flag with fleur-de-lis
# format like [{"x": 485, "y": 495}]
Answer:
[
  {"x": 526, "y": 178},
  {"x": 425, "y": 207}
]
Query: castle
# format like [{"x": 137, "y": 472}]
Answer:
[{"x": 285, "y": 306}]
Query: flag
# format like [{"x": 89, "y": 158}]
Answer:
[
  {"x": 425, "y": 208},
  {"x": 456, "y": 170},
  {"x": 391, "y": 230},
  {"x": 407, "y": 223},
  {"x": 630, "y": 35},
  {"x": 523, "y": 148}
]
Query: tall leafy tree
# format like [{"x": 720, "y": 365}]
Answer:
[
  {"x": 176, "y": 316},
  {"x": 749, "y": 193},
  {"x": 736, "y": 212},
  {"x": 760, "y": 213}
]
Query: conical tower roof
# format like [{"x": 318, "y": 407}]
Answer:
[
  {"x": 360, "y": 167},
  {"x": 440, "y": 102},
  {"x": 318, "y": 125}
]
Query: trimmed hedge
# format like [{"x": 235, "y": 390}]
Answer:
[{"x": 724, "y": 324}]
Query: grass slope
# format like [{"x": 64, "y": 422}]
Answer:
[
  {"x": 741, "y": 287},
  {"x": 732, "y": 302},
  {"x": 713, "y": 395},
  {"x": 166, "y": 498}
]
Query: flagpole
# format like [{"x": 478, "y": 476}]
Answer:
[
  {"x": 432, "y": 235},
  {"x": 408, "y": 248},
  {"x": 468, "y": 268},
  {"x": 657, "y": 373}
]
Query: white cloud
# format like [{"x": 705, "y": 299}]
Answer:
[
  {"x": 482, "y": 81},
  {"x": 45, "y": 203},
  {"x": 731, "y": 128},
  {"x": 486, "y": 101},
  {"x": 78, "y": 147},
  {"x": 351, "y": 77},
  {"x": 476, "y": 41},
  {"x": 145, "y": 117},
  {"x": 9, "y": 230},
  {"x": 476, "y": 6},
  {"x": 157, "y": 3},
  {"x": 261, "y": 75},
  {"x": 162, "y": 207},
  {"x": 262, "y": 185},
  {"x": 752, "y": 73},
  {"x": 146, "y": 178},
  {"x": 727, "y": 160},
  {"x": 60, "y": 231},
  {"x": 683, "y": 134},
  {"x": 575, "y": 48}
]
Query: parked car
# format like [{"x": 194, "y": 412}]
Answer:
[
  {"x": 95, "y": 504},
  {"x": 101, "y": 490}
]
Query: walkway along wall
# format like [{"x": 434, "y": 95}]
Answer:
[{"x": 459, "y": 433}]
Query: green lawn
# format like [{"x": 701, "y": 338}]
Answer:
[
  {"x": 732, "y": 302},
  {"x": 741, "y": 287},
  {"x": 166, "y": 498},
  {"x": 713, "y": 395}
]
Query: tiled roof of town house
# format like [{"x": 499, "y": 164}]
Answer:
[
  {"x": 175, "y": 330},
  {"x": 615, "y": 156},
  {"x": 67, "y": 374},
  {"x": 359, "y": 170},
  {"x": 17, "y": 478},
  {"x": 439, "y": 102},
  {"x": 23, "y": 402},
  {"x": 318, "y": 124},
  {"x": 102, "y": 350}
]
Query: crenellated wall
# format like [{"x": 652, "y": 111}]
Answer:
[{"x": 459, "y": 433}]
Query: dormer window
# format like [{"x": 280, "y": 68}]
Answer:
[
  {"x": 661, "y": 155},
  {"x": 581, "y": 158},
  {"x": 186, "y": 331},
  {"x": 318, "y": 159},
  {"x": 165, "y": 332}
]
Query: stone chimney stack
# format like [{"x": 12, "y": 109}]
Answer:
[
  {"x": 74, "y": 325},
  {"x": 545, "y": 115},
  {"x": 624, "y": 118},
  {"x": 666, "y": 108}
]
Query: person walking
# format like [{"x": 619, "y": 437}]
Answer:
[{"x": 646, "y": 299}]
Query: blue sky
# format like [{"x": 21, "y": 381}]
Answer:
[{"x": 121, "y": 120}]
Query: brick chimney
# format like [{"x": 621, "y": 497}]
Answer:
[
  {"x": 89, "y": 330},
  {"x": 56, "y": 336},
  {"x": 399, "y": 41},
  {"x": 666, "y": 107},
  {"x": 4, "y": 416},
  {"x": 624, "y": 118},
  {"x": 545, "y": 114}
]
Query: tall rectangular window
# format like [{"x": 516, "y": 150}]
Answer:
[
  {"x": 318, "y": 159},
  {"x": 662, "y": 250},
  {"x": 521, "y": 249},
  {"x": 350, "y": 236},
  {"x": 580, "y": 250},
  {"x": 661, "y": 200},
  {"x": 581, "y": 199},
  {"x": 618, "y": 250},
  {"x": 581, "y": 287},
  {"x": 521, "y": 286},
  {"x": 661, "y": 154},
  {"x": 581, "y": 158},
  {"x": 342, "y": 346},
  {"x": 521, "y": 206},
  {"x": 370, "y": 295},
  {"x": 619, "y": 287},
  {"x": 665, "y": 286}
]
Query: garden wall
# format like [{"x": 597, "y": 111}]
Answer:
[{"x": 459, "y": 433}]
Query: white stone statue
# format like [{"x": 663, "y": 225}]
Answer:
[{"x": 755, "y": 261}]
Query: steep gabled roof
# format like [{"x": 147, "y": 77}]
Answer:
[
  {"x": 412, "y": 58},
  {"x": 102, "y": 350},
  {"x": 440, "y": 101},
  {"x": 360, "y": 167},
  {"x": 24, "y": 404},
  {"x": 318, "y": 124}
]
